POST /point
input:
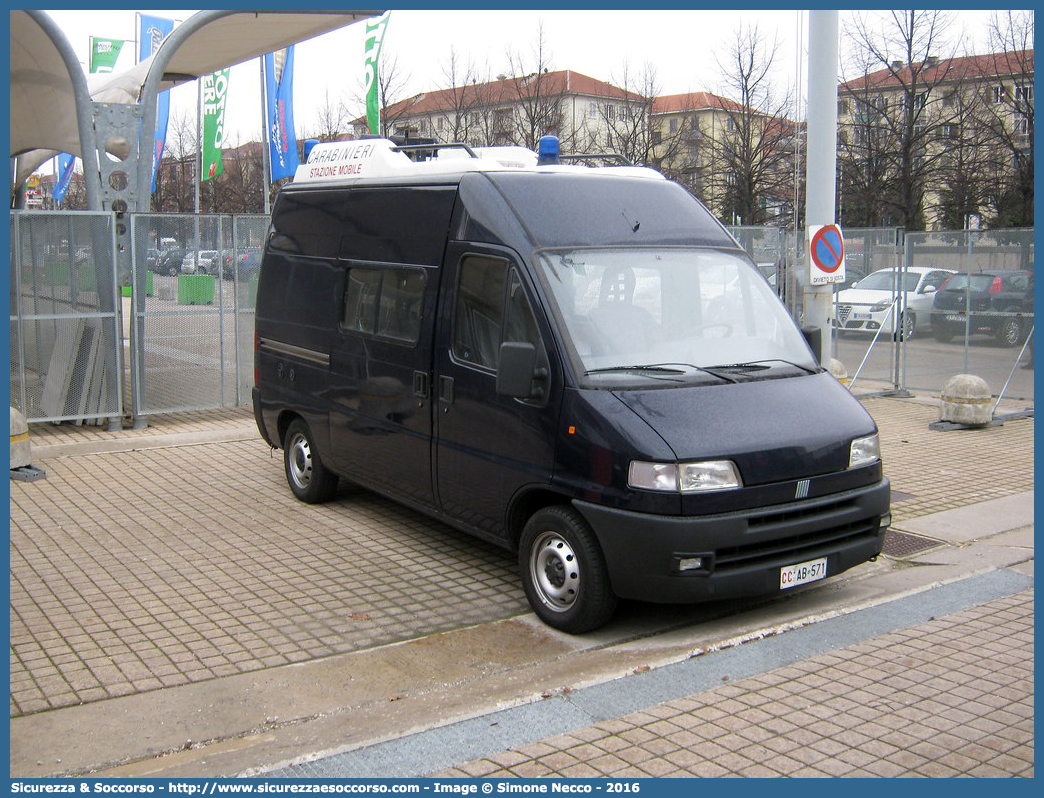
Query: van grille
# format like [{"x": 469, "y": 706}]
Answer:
[{"x": 795, "y": 547}]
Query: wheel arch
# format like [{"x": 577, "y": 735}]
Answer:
[
  {"x": 286, "y": 418},
  {"x": 524, "y": 505}
]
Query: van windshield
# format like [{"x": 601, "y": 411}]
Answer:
[{"x": 636, "y": 316}]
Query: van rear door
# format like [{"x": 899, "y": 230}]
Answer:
[{"x": 489, "y": 446}]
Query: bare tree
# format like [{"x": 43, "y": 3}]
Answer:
[
  {"x": 240, "y": 187},
  {"x": 751, "y": 165},
  {"x": 900, "y": 123},
  {"x": 331, "y": 119},
  {"x": 537, "y": 100},
  {"x": 958, "y": 180},
  {"x": 391, "y": 84},
  {"x": 175, "y": 189},
  {"x": 459, "y": 118},
  {"x": 1008, "y": 118},
  {"x": 629, "y": 120}
]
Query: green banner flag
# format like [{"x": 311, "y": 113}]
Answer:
[
  {"x": 215, "y": 92},
  {"x": 104, "y": 54},
  {"x": 372, "y": 44}
]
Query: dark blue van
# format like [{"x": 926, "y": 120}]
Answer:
[{"x": 580, "y": 364}]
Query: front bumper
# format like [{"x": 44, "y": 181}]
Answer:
[
  {"x": 859, "y": 318},
  {"x": 743, "y": 551}
]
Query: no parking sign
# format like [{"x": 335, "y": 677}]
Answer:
[{"x": 826, "y": 254}]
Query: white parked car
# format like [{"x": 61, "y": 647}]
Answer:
[
  {"x": 868, "y": 304},
  {"x": 203, "y": 262}
]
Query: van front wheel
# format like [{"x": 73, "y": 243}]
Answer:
[
  {"x": 564, "y": 572},
  {"x": 308, "y": 478}
]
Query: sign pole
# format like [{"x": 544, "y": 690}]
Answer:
[{"x": 820, "y": 206}]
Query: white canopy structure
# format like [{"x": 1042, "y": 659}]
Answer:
[{"x": 44, "y": 110}]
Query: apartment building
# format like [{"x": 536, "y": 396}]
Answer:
[
  {"x": 939, "y": 144},
  {"x": 738, "y": 160},
  {"x": 582, "y": 111}
]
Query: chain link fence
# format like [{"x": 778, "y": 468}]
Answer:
[
  {"x": 65, "y": 347},
  {"x": 191, "y": 325},
  {"x": 172, "y": 329},
  {"x": 883, "y": 332}
]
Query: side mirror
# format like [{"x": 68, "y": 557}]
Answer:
[
  {"x": 516, "y": 370},
  {"x": 928, "y": 289}
]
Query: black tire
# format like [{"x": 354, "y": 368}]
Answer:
[
  {"x": 309, "y": 480},
  {"x": 1009, "y": 333},
  {"x": 563, "y": 571},
  {"x": 908, "y": 326}
]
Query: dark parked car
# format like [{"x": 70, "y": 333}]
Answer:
[
  {"x": 249, "y": 263},
  {"x": 169, "y": 261},
  {"x": 999, "y": 302}
]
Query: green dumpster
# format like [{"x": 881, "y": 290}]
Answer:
[{"x": 195, "y": 289}]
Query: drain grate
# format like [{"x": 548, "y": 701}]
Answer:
[{"x": 903, "y": 544}]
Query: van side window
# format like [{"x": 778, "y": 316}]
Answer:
[
  {"x": 479, "y": 311},
  {"x": 399, "y": 316},
  {"x": 308, "y": 223},
  {"x": 491, "y": 308},
  {"x": 384, "y": 302}
]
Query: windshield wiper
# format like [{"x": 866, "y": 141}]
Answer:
[
  {"x": 758, "y": 365},
  {"x": 660, "y": 368}
]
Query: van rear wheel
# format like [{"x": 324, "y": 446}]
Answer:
[
  {"x": 563, "y": 571},
  {"x": 308, "y": 478}
]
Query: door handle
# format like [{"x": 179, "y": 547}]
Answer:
[
  {"x": 420, "y": 384},
  {"x": 446, "y": 390}
]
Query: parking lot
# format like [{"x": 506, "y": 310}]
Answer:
[{"x": 175, "y": 554}]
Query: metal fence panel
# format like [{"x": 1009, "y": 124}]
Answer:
[
  {"x": 879, "y": 360},
  {"x": 193, "y": 331},
  {"x": 990, "y": 341},
  {"x": 250, "y": 232},
  {"x": 66, "y": 352},
  {"x": 190, "y": 320},
  {"x": 872, "y": 358}
]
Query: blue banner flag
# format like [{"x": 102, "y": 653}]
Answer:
[
  {"x": 64, "y": 177},
  {"x": 153, "y": 31},
  {"x": 279, "y": 90}
]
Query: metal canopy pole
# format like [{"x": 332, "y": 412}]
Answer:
[{"x": 84, "y": 105}]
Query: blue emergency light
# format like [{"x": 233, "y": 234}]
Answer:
[{"x": 547, "y": 151}]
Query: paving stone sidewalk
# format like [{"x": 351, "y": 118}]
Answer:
[{"x": 950, "y": 697}]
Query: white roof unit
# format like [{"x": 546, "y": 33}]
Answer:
[{"x": 346, "y": 160}]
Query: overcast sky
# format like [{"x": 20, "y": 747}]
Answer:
[{"x": 682, "y": 46}]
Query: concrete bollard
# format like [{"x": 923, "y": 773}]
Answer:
[
  {"x": 839, "y": 372},
  {"x": 966, "y": 400},
  {"x": 21, "y": 451},
  {"x": 20, "y": 447}
]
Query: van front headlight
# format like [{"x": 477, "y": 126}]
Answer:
[
  {"x": 706, "y": 475},
  {"x": 864, "y": 451}
]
